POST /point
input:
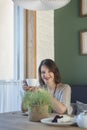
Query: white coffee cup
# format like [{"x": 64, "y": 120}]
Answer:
[{"x": 32, "y": 82}]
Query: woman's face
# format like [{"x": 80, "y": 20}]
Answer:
[{"x": 46, "y": 75}]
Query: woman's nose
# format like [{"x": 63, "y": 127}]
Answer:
[{"x": 46, "y": 74}]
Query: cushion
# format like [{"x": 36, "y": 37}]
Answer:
[
  {"x": 81, "y": 106},
  {"x": 74, "y": 106}
]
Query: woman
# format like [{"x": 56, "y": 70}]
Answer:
[{"x": 49, "y": 78}]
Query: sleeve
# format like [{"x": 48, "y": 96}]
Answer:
[{"x": 65, "y": 97}]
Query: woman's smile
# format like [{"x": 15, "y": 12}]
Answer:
[{"x": 47, "y": 78}]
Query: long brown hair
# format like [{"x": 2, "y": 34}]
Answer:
[{"x": 50, "y": 64}]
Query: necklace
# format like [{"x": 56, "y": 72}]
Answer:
[
  {"x": 57, "y": 86},
  {"x": 52, "y": 91}
]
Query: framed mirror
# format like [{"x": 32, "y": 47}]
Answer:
[
  {"x": 83, "y": 8},
  {"x": 83, "y": 42}
]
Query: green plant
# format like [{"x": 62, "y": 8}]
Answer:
[{"x": 37, "y": 98}]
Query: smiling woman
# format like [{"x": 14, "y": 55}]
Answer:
[{"x": 50, "y": 79}]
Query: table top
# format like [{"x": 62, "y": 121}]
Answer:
[{"x": 17, "y": 121}]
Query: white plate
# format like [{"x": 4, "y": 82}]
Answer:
[{"x": 48, "y": 121}]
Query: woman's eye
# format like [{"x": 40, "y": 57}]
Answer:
[{"x": 43, "y": 72}]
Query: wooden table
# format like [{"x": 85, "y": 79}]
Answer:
[{"x": 17, "y": 121}]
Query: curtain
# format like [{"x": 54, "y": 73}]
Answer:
[{"x": 10, "y": 96}]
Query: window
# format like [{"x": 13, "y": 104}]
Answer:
[
  {"x": 6, "y": 39},
  {"x": 19, "y": 42},
  {"x": 11, "y": 48},
  {"x": 11, "y": 55}
]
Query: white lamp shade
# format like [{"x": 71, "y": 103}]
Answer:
[{"x": 41, "y": 4}]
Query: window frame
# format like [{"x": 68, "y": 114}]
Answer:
[{"x": 19, "y": 42}]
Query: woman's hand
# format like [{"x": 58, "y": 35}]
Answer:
[
  {"x": 28, "y": 88},
  {"x": 25, "y": 85}
]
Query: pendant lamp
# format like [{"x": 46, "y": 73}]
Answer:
[{"x": 41, "y": 4}]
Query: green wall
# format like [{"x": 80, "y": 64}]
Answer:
[{"x": 67, "y": 27}]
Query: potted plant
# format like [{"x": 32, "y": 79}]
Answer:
[{"x": 38, "y": 103}]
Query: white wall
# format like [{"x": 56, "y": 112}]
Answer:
[{"x": 44, "y": 35}]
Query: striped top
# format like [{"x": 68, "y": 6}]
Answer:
[{"x": 63, "y": 95}]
